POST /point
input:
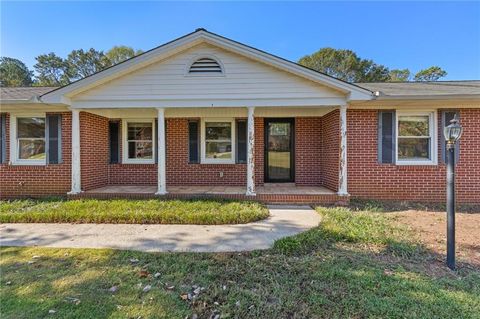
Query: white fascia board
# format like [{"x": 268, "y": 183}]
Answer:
[
  {"x": 178, "y": 103},
  {"x": 431, "y": 97}
]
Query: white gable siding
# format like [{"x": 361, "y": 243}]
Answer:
[{"x": 243, "y": 79}]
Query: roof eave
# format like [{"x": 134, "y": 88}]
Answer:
[{"x": 430, "y": 97}]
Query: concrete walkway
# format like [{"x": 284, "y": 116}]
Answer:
[{"x": 283, "y": 221}]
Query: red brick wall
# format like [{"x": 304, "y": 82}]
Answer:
[
  {"x": 330, "y": 150},
  {"x": 35, "y": 181},
  {"x": 131, "y": 174},
  {"x": 308, "y": 151},
  {"x": 180, "y": 172},
  {"x": 93, "y": 150},
  {"x": 369, "y": 179}
]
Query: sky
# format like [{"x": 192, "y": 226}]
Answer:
[{"x": 413, "y": 35}]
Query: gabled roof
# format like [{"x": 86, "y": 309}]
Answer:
[{"x": 62, "y": 94}]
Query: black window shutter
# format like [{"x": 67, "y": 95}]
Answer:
[
  {"x": 241, "y": 141},
  {"x": 386, "y": 137},
  {"x": 3, "y": 137},
  {"x": 193, "y": 142},
  {"x": 114, "y": 138},
  {"x": 54, "y": 139},
  {"x": 447, "y": 116}
]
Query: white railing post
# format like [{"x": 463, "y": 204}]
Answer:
[
  {"x": 251, "y": 152},
  {"x": 342, "y": 178},
  {"x": 162, "y": 180},
  {"x": 76, "y": 168}
]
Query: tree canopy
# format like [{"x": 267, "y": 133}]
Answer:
[
  {"x": 345, "y": 65},
  {"x": 121, "y": 53},
  {"x": 14, "y": 72},
  {"x": 433, "y": 73},
  {"x": 348, "y": 66},
  {"x": 53, "y": 70}
]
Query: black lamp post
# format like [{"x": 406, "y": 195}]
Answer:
[{"x": 452, "y": 133}]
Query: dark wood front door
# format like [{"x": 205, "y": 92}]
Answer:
[{"x": 279, "y": 150}]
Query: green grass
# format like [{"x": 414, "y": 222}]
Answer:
[
  {"x": 205, "y": 212},
  {"x": 355, "y": 265}
]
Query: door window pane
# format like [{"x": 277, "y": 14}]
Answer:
[{"x": 279, "y": 151}]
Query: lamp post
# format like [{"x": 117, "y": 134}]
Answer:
[{"x": 452, "y": 133}]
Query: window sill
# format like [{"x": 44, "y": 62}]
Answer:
[
  {"x": 138, "y": 162},
  {"x": 28, "y": 163},
  {"x": 416, "y": 163}
]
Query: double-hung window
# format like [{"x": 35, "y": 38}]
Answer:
[
  {"x": 29, "y": 138},
  {"x": 416, "y": 138},
  {"x": 139, "y": 142},
  {"x": 218, "y": 138}
]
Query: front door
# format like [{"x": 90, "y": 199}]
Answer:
[{"x": 279, "y": 149}]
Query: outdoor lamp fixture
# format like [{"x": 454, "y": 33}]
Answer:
[{"x": 452, "y": 134}]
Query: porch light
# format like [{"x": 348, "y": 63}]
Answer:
[{"x": 452, "y": 133}]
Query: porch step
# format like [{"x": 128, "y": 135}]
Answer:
[{"x": 264, "y": 198}]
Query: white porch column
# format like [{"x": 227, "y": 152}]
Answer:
[
  {"x": 76, "y": 175},
  {"x": 162, "y": 180},
  {"x": 251, "y": 152},
  {"x": 342, "y": 178}
]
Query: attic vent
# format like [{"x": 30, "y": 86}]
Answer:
[{"x": 205, "y": 65}]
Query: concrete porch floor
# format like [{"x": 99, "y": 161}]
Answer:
[{"x": 270, "y": 188}]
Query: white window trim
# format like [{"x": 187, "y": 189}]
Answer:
[
  {"x": 204, "y": 56},
  {"x": 205, "y": 160},
  {"x": 14, "y": 160},
  {"x": 432, "y": 115},
  {"x": 125, "y": 159}
]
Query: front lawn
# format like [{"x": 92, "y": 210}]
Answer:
[
  {"x": 205, "y": 212},
  {"x": 354, "y": 265}
]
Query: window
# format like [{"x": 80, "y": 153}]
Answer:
[
  {"x": 218, "y": 137},
  {"x": 416, "y": 138},
  {"x": 30, "y": 140},
  {"x": 139, "y": 142}
]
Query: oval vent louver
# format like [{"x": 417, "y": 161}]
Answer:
[{"x": 205, "y": 65}]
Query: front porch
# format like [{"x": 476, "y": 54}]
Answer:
[{"x": 268, "y": 193}]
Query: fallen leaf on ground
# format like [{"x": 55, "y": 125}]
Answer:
[{"x": 147, "y": 288}]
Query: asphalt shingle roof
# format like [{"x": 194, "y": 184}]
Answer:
[
  {"x": 413, "y": 89},
  {"x": 23, "y": 93}
]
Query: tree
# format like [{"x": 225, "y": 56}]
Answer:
[
  {"x": 14, "y": 72},
  {"x": 84, "y": 63},
  {"x": 345, "y": 65},
  {"x": 433, "y": 73},
  {"x": 51, "y": 70},
  {"x": 121, "y": 53},
  {"x": 398, "y": 75}
]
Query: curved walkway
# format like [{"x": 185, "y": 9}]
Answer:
[{"x": 283, "y": 221}]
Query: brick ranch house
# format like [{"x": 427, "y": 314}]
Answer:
[{"x": 205, "y": 115}]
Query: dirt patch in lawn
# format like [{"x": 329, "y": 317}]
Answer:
[{"x": 430, "y": 227}]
